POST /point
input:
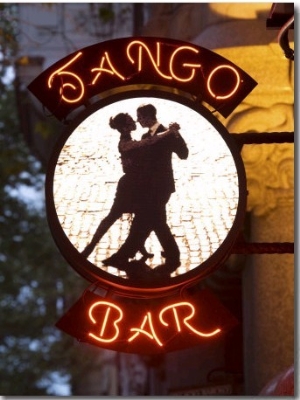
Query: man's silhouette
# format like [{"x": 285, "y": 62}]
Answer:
[
  {"x": 126, "y": 198},
  {"x": 156, "y": 182}
]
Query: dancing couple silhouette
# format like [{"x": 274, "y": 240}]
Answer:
[{"x": 144, "y": 190}]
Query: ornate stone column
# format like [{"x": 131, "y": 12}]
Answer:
[{"x": 268, "y": 281}]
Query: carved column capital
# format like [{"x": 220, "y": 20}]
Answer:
[
  {"x": 270, "y": 176},
  {"x": 269, "y": 167}
]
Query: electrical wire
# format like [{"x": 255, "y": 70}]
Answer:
[{"x": 283, "y": 39}]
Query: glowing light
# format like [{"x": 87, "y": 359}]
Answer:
[
  {"x": 142, "y": 46},
  {"x": 150, "y": 60},
  {"x": 62, "y": 72},
  {"x": 141, "y": 330},
  {"x": 193, "y": 66},
  {"x": 111, "y": 71},
  {"x": 108, "y": 306},
  {"x": 147, "y": 328},
  {"x": 230, "y": 94},
  {"x": 174, "y": 307}
]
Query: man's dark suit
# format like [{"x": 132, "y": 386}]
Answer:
[{"x": 157, "y": 185}]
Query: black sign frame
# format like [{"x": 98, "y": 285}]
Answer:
[{"x": 92, "y": 273}]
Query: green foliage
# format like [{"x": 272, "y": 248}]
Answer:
[
  {"x": 8, "y": 43},
  {"x": 106, "y": 14},
  {"x": 17, "y": 166},
  {"x": 33, "y": 287},
  {"x": 44, "y": 128},
  {"x": 36, "y": 284},
  {"x": 34, "y": 279}
]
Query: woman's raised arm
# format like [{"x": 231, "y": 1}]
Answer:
[{"x": 126, "y": 145}]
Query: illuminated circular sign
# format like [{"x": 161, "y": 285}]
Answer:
[{"x": 203, "y": 214}]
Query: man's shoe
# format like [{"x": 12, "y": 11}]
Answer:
[
  {"x": 115, "y": 261},
  {"x": 146, "y": 255}
]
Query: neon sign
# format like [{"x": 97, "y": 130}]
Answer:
[
  {"x": 147, "y": 320},
  {"x": 143, "y": 326},
  {"x": 182, "y": 80},
  {"x": 119, "y": 64}
]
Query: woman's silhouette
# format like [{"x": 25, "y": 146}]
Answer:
[{"x": 126, "y": 197}]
